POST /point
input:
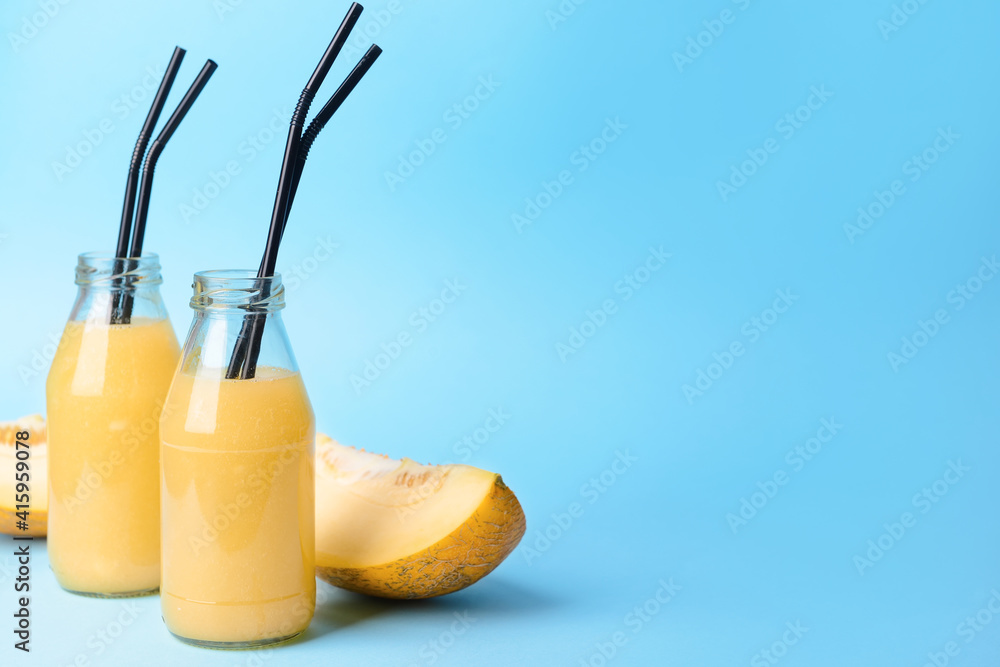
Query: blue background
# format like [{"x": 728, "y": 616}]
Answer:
[{"x": 688, "y": 125}]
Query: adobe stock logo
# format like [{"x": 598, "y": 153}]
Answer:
[
  {"x": 582, "y": 159},
  {"x": 788, "y": 125},
  {"x": 900, "y": 16},
  {"x": 468, "y": 445},
  {"x": 562, "y": 13},
  {"x": 591, "y": 491},
  {"x": 435, "y": 649},
  {"x": 94, "y": 136},
  {"x": 637, "y": 620},
  {"x": 217, "y": 181},
  {"x": 959, "y": 297},
  {"x": 368, "y": 32},
  {"x": 714, "y": 27},
  {"x": 455, "y": 116},
  {"x": 105, "y": 637},
  {"x": 753, "y": 329},
  {"x": 968, "y": 630},
  {"x": 30, "y": 26},
  {"x": 922, "y": 501},
  {"x": 797, "y": 458},
  {"x": 419, "y": 322},
  {"x": 779, "y": 649},
  {"x": 631, "y": 282},
  {"x": 223, "y": 7},
  {"x": 914, "y": 168}
]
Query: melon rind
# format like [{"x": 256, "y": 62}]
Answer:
[{"x": 490, "y": 527}]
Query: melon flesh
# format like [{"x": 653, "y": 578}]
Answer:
[
  {"x": 400, "y": 529},
  {"x": 38, "y": 483}
]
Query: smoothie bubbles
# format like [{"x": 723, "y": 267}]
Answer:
[
  {"x": 105, "y": 394},
  {"x": 237, "y": 434}
]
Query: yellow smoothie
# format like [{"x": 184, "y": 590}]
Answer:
[
  {"x": 237, "y": 485},
  {"x": 105, "y": 394}
]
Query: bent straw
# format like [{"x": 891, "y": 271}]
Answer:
[
  {"x": 152, "y": 117},
  {"x": 244, "y": 360},
  {"x": 256, "y": 330},
  {"x": 148, "y": 170},
  {"x": 128, "y": 206},
  {"x": 309, "y": 136},
  {"x": 145, "y": 189},
  {"x": 295, "y": 135},
  {"x": 324, "y": 116}
]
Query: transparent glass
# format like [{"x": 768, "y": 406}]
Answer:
[
  {"x": 104, "y": 396},
  {"x": 236, "y": 479}
]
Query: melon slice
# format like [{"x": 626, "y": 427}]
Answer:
[
  {"x": 38, "y": 473},
  {"x": 398, "y": 529}
]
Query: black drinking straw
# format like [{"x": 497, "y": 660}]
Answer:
[
  {"x": 139, "y": 231},
  {"x": 252, "y": 328},
  {"x": 128, "y": 207},
  {"x": 324, "y": 116},
  {"x": 152, "y": 117},
  {"x": 148, "y": 169},
  {"x": 295, "y": 136},
  {"x": 243, "y": 363}
]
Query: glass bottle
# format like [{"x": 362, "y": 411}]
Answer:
[
  {"x": 104, "y": 394},
  {"x": 237, "y": 476}
]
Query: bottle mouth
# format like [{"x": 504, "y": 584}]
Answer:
[
  {"x": 104, "y": 269},
  {"x": 237, "y": 289}
]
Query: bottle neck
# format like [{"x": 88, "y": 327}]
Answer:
[
  {"x": 230, "y": 309},
  {"x": 110, "y": 286},
  {"x": 237, "y": 293},
  {"x": 99, "y": 271}
]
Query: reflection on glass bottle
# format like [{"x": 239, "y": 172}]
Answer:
[
  {"x": 105, "y": 395},
  {"x": 237, "y": 477}
]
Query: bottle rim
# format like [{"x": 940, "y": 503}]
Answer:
[
  {"x": 104, "y": 269},
  {"x": 237, "y": 289}
]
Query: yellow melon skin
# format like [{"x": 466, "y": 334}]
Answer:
[
  {"x": 459, "y": 560},
  {"x": 38, "y": 484},
  {"x": 490, "y": 525}
]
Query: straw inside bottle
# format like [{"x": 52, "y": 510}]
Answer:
[
  {"x": 131, "y": 184},
  {"x": 243, "y": 362},
  {"x": 146, "y": 185}
]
